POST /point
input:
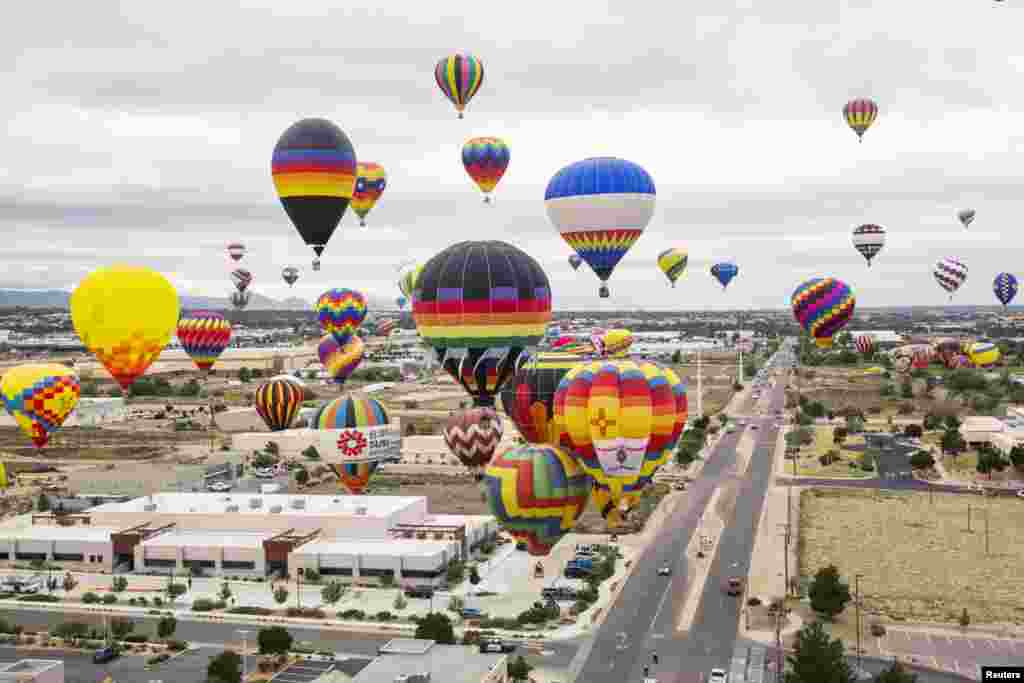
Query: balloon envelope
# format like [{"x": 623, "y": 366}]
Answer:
[
  {"x": 950, "y": 273},
  {"x": 528, "y": 398},
  {"x": 370, "y": 183},
  {"x": 869, "y": 239},
  {"x": 672, "y": 263},
  {"x": 125, "y": 316},
  {"x": 340, "y": 360},
  {"x": 724, "y": 272},
  {"x": 290, "y": 274},
  {"x": 204, "y": 335},
  {"x": 860, "y": 114},
  {"x": 472, "y": 436},
  {"x": 459, "y": 77},
  {"x": 1005, "y": 288},
  {"x": 575, "y": 261},
  {"x": 278, "y": 401},
  {"x": 823, "y": 306},
  {"x": 341, "y": 312},
  {"x": 485, "y": 160},
  {"x": 236, "y": 250},
  {"x": 349, "y": 412},
  {"x": 537, "y": 493},
  {"x": 40, "y": 396}
]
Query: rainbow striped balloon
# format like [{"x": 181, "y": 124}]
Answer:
[
  {"x": 459, "y": 77},
  {"x": 340, "y": 360},
  {"x": 537, "y": 493},
  {"x": 370, "y": 183},
  {"x": 349, "y": 412},
  {"x": 486, "y": 160},
  {"x": 341, "y": 312},
  {"x": 823, "y": 306},
  {"x": 860, "y": 114},
  {"x": 204, "y": 335}
]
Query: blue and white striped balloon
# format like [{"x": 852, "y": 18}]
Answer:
[{"x": 1005, "y": 288}]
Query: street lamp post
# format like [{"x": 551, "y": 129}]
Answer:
[
  {"x": 856, "y": 579},
  {"x": 245, "y": 642},
  {"x": 298, "y": 587}
]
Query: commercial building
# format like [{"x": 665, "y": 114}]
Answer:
[
  {"x": 408, "y": 660},
  {"x": 363, "y": 539},
  {"x": 32, "y": 671},
  {"x": 1003, "y": 433}
]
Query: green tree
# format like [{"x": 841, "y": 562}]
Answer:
[
  {"x": 817, "y": 659},
  {"x": 301, "y": 476},
  {"x": 225, "y": 591},
  {"x": 828, "y": 593},
  {"x": 456, "y": 572},
  {"x": 952, "y": 423},
  {"x": 274, "y": 640},
  {"x": 921, "y": 460},
  {"x": 281, "y": 595},
  {"x": 333, "y": 592},
  {"x": 965, "y": 619},
  {"x": 166, "y": 627},
  {"x": 677, "y": 357},
  {"x": 886, "y": 390},
  {"x": 1017, "y": 457},
  {"x": 519, "y": 670},
  {"x": 311, "y": 453},
  {"x": 44, "y": 503},
  {"x": 244, "y": 375},
  {"x": 952, "y": 442},
  {"x": 931, "y": 422},
  {"x": 400, "y": 602},
  {"x": 119, "y": 584},
  {"x": 474, "y": 575},
  {"x": 226, "y": 667},
  {"x": 854, "y": 424},
  {"x": 272, "y": 448},
  {"x": 119, "y": 628},
  {"x": 907, "y": 389},
  {"x": 896, "y": 674},
  {"x": 839, "y": 435},
  {"x": 436, "y": 626}
]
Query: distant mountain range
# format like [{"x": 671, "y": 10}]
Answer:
[{"x": 58, "y": 298}]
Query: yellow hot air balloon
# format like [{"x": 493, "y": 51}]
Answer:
[
  {"x": 40, "y": 396},
  {"x": 125, "y": 315},
  {"x": 673, "y": 263}
]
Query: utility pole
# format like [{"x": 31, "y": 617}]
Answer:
[
  {"x": 986, "y": 532},
  {"x": 700, "y": 388},
  {"x": 780, "y": 659},
  {"x": 785, "y": 560},
  {"x": 856, "y": 579},
  {"x": 968, "y": 518}
]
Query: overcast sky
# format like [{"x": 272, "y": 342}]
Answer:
[{"x": 142, "y": 132}]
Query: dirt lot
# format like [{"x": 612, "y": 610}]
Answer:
[
  {"x": 918, "y": 560},
  {"x": 852, "y": 451}
]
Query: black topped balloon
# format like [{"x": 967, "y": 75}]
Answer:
[{"x": 314, "y": 170}]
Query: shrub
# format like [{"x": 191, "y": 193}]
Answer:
[
  {"x": 177, "y": 645},
  {"x": 877, "y": 629},
  {"x": 753, "y": 602},
  {"x": 352, "y": 615},
  {"x": 136, "y": 638},
  {"x": 207, "y": 605},
  {"x": 384, "y": 615},
  {"x": 109, "y": 599},
  {"x": 39, "y": 597},
  {"x": 306, "y": 613},
  {"x": 90, "y": 598},
  {"x": 251, "y": 610}
]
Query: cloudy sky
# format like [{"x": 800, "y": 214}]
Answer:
[{"x": 141, "y": 132}]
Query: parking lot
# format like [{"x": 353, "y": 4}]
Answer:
[
  {"x": 952, "y": 653},
  {"x": 303, "y": 671}
]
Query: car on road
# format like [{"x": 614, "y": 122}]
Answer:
[
  {"x": 218, "y": 486},
  {"x": 558, "y": 593},
  {"x": 753, "y": 426},
  {"x": 665, "y": 571},
  {"x": 718, "y": 676},
  {"x": 734, "y": 586},
  {"x": 682, "y": 487},
  {"x": 104, "y": 655},
  {"x": 496, "y": 646}
]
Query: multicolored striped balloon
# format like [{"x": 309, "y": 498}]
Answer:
[
  {"x": 314, "y": 171},
  {"x": 340, "y": 360},
  {"x": 860, "y": 114},
  {"x": 611, "y": 343},
  {"x": 459, "y": 77},
  {"x": 408, "y": 273},
  {"x": 348, "y": 412},
  {"x": 673, "y": 262},
  {"x": 481, "y": 305},
  {"x": 278, "y": 401},
  {"x": 529, "y": 397},
  {"x": 341, "y": 312},
  {"x": 385, "y": 327},
  {"x": 950, "y": 273},
  {"x": 473, "y": 435},
  {"x": 370, "y": 183},
  {"x": 865, "y": 344},
  {"x": 40, "y": 396},
  {"x": 537, "y": 493},
  {"x": 823, "y": 306},
  {"x": 486, "y": 160},
  {"x": 204, "y": 335},
  {"x": 600, "y": 207},
  {"x": 1005, "y": 288}
]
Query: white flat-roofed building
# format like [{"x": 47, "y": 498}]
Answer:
[
  {"x": 32, "y": 671},
  {"x": 424, "y": 661},
  {"x": 408, "y": 562},
  {"x": 341, "y": 516},
  {"x": 478, "y": 528},
  {"x": 227, "y": 552},
  {"x": 85, "y": 544}
]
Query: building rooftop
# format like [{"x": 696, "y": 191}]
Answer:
[
  {"x": 28, "y": 666},
  {"x": 215, "y": 539},
  {"x": 363, "y": 546},
  {"x": 39, "y": 532},
  {"x": 217, "y": 503},
  {"x": 444, "y": 663},
  {"x": 983, "y": 423}
]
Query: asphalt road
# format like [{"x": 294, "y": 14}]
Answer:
[{"x": 79, "y": 668}]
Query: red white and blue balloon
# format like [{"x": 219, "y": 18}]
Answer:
[{"x": 950, "y": 273}]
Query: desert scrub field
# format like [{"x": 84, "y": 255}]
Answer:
[
  {"x": 917, "y": 560},
  {"x": 808, "y": 464}
]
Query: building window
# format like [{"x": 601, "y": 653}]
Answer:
[
  {"x": 30, "y": 556},
  {"x": 99, "y": 558},
  {"x": 376, "y": 572},
  {"x": 235, "y": 564},
  {"x": 335, "y": 571},
  {"x": 201, "y": 564},
  {"x": 422, "y": 574},
  {"x": 67, "y": 557},
  {"x": 154, "y": 562}
]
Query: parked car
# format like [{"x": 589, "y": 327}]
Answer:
[
  {"x": 104, "y": 655},
  {"x": 497, "y": 646},
  {"x": 521, "y": 545},
  {"x": 718, "y": 676},
  {"x": 734, "y": 586},
  {"x": 665, "y": 571},
  {"x": 264, "y": 473},
  {"x": 558, "y": 593},
  {"x": 218, "y": 486},
  {"x": 419, "y": 592},
  {"x": 471, "y": 613}
]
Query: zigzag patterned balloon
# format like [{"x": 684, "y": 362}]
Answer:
[
  {"x": 204, "y": 335},
  {"x": 340, "y": 360},
  {"x": 1005, "y": 288},
  {"x": 823, "y": 306},
  {"x": 473, "y": 435},
  {"x": 341, "y": 312},
  {"x": 950, "y": 273}
]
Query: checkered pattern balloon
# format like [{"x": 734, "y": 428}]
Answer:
[{"x": 40, "y": 397}]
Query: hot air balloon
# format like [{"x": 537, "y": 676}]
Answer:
[
  {"x": 600, "y": 207},
  {"x": 950, "y": 273},
  {"x": 350, "y": 413},
  {"x": 528, "y": 398},
  {"x": 341, "y": 312},
  {"x": 40, "y": 396},
  {"x": 537, "y": 493},
  {"x": 472, "y": 436},
  {"x": 823, "y": 306},
  {"x": 865, "y": 344},
  {"x": 1005, "y": 288},
  {"x": 408, "y": 273},
  {"x": 983, "y": 354},
  {"x": 236, "y": 250},
  {"x": 480, "y": 305},
  {"x": 242, "y": 278},
  {"x": 724, "y": 272},
  {"x": 966, "y": 216},
  {"x": 314, "y": 170},
  {"x": 673, "y": 263},
  {"x": 370, "y": 183},
  {"x": 385, "y": 327},
  {"x": 459, "y": 77},
  {"x": 401, "y": 302},
  {"x": 869, "y": 239},
  {"x": 611, "y": 343},
  {"x": 340, "y": 360},
  {"x": 125, "y": 316},
  {"x": 240, "y": 299},
  {"x": 859, "y": 115},
  {"x": 575, "y": 261},
  {"x": 204, "y": 335},
  {"x": 485, "y": 160},
  {"x": 278, "y": 401},
  {"x": 290, "y": 274}
]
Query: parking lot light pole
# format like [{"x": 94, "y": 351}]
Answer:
[
  {"x": 245, "y": 642},
  {"x": 856, "y": 579}
]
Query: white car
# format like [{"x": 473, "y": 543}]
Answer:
[
  {"x": 665, "y": 571},
  {"x": 1020, "y": 494},
  {"x": 264, "y": 473},
  {"x": 219, "y": 486},
  {"x": 718, "y": 676}
]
